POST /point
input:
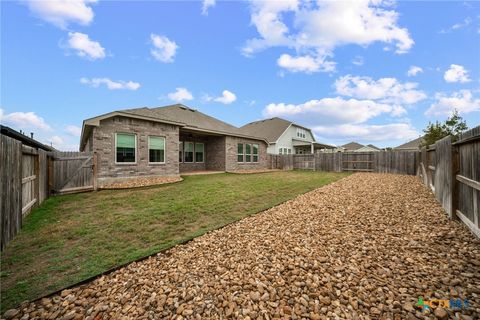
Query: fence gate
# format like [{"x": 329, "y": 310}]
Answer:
[{"x": 72, "y": 172}]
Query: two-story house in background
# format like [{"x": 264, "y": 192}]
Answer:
[{"x": 285, "y": 137}]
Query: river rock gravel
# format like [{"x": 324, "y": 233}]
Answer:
[{"x": 365, "y": 247}]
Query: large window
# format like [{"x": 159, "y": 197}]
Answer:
[
  {"x": 199, "y": 152},
  {"x": 156, "y": 149},
  {"x": 126, "y": 144},
  {"x": 255, "y": 152},
  {"x": 180, "y": 152},
  {"x": 188, "y": 152},
  {"x": 248, "y": 152},
  {"x": 240, "y": 157}
]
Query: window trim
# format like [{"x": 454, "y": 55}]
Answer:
[
  {"x": 257, "y": 154},
  {"x": 243, "y": 152},
  {"x": 115, "y": 146},
  {"x": 164, "y": 149},
  {"x": 195, "y": 152},
  {"x": 248, "y": 154}
]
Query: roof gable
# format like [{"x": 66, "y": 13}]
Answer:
[
  {"x": 352, "y": 145},
  {"x": 271, "y": 129}
]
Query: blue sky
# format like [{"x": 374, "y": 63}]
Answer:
[{"x": 370, "y": 71}]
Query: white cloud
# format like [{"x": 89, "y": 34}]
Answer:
[
  {"x": 85, "y": 47},
  {"x": 462, "y": 100},
  {"x": 320, "y": 28},
  {"x": 305, "y": 64},
  {"x": 384, "y": 89},
  {"x": 385, "y": 132},
  {"x": 456, "y": 73},
  {"x": 24, "y": 121},
  {"x": 73, "y": 130},
  {"x": 111, "y": 85},
  {"x": 413, "y": 71},
  {"x": 180, "y": 94},
  {"x": 358, "y": 61},
  {"x": 227, "y": 97},
  {"x": 63, "y": 12},
  {"x": 164, "y": 49},
  {"x": 207, "y": 4},
  {"x": 331, "y": 111},
  {"x": 460, "y": 25}
]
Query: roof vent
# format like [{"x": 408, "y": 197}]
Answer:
[{"x": 182, "y": 107}]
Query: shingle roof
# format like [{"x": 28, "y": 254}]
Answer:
[
  {"x": 374, "y": 147},
  {"x": 352, "y": 146},
  {"x": 271, "y": 129},
  {"x": 415, "y": 144}
]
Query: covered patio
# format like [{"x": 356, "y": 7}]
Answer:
[
  {"x": 305, "y": 147},
  {"x": 201, "y": 152}
]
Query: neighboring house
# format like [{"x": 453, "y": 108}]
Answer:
[
  {"x": 284, "y": 137},
  {"x": 368, "y": 148},
  {"x": 26, "y": 140},
  {"x": 167, "y": 141},
  {"x": 352, "y": 146},
  {"x": 415, "y": 144}
]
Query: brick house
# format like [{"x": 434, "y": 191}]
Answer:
[{"x": 168, "y": 141}]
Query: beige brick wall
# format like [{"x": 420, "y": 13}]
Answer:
[
  {"x": 231, "y": 149},
  {"x": 104, "y": 145}
]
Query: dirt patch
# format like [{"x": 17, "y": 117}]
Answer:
[
  {"x": 140, "y": 182},
  {"x": 365, "y": 247}
]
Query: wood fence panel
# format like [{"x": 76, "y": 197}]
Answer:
[
  {"x": 29, "y": 179},
  {"x": 43, "y": 175},
  {"x": 468, "y": 183},
  {"x": 72, "y": 171},
  {"x": 10, "y": 188},
  {"x": 442, "y": 175}
]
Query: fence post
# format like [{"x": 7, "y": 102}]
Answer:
[
  {"x": 36, "y": 184},
  {"x": 454, "y": 185}
]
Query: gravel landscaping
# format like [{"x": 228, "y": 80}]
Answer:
[{"x": 364, "y": 247}]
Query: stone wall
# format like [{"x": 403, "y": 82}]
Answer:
[
  {"x": 231, "y": 150},
  {"x": 104, "y": 145}
]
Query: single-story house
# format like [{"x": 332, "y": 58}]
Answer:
[
  {"x": 351, "y": 146},
  {"x": 167, "y": 141},
  {"x": 285, "y": 137},
  {"x": 368, "y": 148},
  {"x": 412, "y": 145}
]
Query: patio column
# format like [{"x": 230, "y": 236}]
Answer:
[{"x": 312, "y": 148}]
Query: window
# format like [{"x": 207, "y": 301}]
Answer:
[
  {"x": 180, "y": 152},
  {"x": 289, "y": 151},
  {"x": 126, "y": 144},
  {"x": 188, "y": 152},
  {"x": 156, "y": 149},
  {"x": 301, "y": 133},
  {"x": 280, "y": 151},
  {"x": 248, "y": 152},
  {"x": 199, "y": 151},
  {"x": 255, "y": 152},
  {"x": 240, "y": 152}
]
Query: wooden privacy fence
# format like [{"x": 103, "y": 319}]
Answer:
[
  {"x": 28, "y": 176},
  {"x": 452, "y": 171},
  {"x": 23, "y": 183},
  {"x": 400, "y": 162}
]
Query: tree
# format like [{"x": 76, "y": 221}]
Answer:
[{"x": 453, "y": 126}]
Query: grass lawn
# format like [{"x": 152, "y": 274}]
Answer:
[{"x": 73, "y": 237}]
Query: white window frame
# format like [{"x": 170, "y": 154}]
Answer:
[
  {"x": 258, "y": 152},
  {"x": 301, "y": 133},
  {"x": 115, "y": 148},
  {"x": 289, "y": 151},
  {"x": 164, "y": 149},
  {"x": 195, "y": 152},
  {"x": 242, "y": 154},
  {"x": 248, "y": 154}
]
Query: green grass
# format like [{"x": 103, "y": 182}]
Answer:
[{"x": 73, "y": 237}]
